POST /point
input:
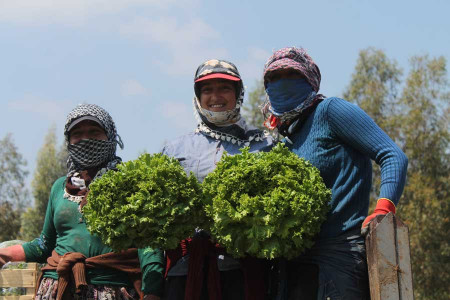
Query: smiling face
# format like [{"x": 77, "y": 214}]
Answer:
[
  {"x": 86, "y": 130},
  {"x": 217, "y": 95}
]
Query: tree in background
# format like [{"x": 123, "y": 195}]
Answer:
[
  {"x": 426, "y": 203},
  {"x": 252, "y": 108},
  {"x": 13, "y": 194},
  {"x": 374, "y": 87},
  {"x": 418, "y": 122},
  {"x": 51, "y": 164}
]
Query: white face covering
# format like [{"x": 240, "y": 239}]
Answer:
[{"x": 219, "y": 118}]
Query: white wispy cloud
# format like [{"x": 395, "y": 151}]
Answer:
[
  {"x": 71, "y": 12},
  {"x": 50, "y": 109},
  {"x": 132, "y": 87},
  {"x": 188, "y": 43},
  {"x": 169, "y": 31},
  {"x": 179, "y": 115},
  {"x": 252, "y": 67}
]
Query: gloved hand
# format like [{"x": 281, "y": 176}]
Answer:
[{"x": 384, "y": 206}]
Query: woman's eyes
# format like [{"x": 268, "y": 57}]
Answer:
[
  {"x": 220, "y": 88},
  {"x": 96, "y": 132},
  {"x": 75, "y": 134},
  {"x": 274, "y": 78}
]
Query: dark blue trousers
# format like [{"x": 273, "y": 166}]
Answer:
[{"x": 333, "y": 269}]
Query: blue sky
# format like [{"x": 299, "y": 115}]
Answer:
[{"x": 137, "y": 58}]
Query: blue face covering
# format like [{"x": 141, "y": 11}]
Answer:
[{"x": 287, "y": 94}]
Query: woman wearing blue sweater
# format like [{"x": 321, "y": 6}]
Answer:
[{"x": 340, "y": 139}]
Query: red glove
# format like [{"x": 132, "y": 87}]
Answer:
[{"x": 384, "y": 206}]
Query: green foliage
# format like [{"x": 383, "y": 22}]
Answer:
[
  {"x": 374, "y": 87},
  {"x": 267, "y": 204},
  {"x": 418, "y": 121},
  {"x": 16, "y": 266},
  {"x": 13, "y": 194},
  {"x": 425, "y": 206},
  {"x": 50, "y": 165},
  {"x": 252, "y": 108},
  {"x": 13, "y": 291},
  {"x": 12, "y": 174},
  {"x": 147, "y": 202},
  {"x": 28, "y": 220},
  {"x": 9, "y": 221}
]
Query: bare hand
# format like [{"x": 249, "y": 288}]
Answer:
[
  {"x": 11, "y": 253},
  {"x": 125, "y": 293}
]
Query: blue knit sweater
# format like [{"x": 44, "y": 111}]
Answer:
[{"x": 340, "y": 139}]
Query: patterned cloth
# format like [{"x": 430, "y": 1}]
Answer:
[
  {"x": 94, "y": 156},
  {"x": 92, "y": 153},
  {"x": 48, "y": 289},
  {"x": 227, "y": 125},
  {"x": 297, "y": 59}
]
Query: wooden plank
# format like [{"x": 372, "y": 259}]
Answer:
[
  {"x": 30, "y": 291},
  {"x": 18, "y": 278},
  {"x": 382, "y": 260},
  {"x": 25, "y": 278},
  {"x": 22, "y": 297},
  {"x": 404, "y": 261},
  {"x": 388, "y": 259}
]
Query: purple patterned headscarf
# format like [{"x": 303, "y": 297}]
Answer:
[
  {"x": 296, "y": 59},
  {"x": 291, "y": 58}
]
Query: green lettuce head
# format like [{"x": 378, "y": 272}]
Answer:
[
  {"x": 266, "y": 204},
  {"x": 146, "y": 202}
]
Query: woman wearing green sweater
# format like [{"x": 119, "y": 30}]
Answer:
[{"x": 79, "y": 265}]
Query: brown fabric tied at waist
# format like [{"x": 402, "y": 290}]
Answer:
[{"x": 75, "y": 264}]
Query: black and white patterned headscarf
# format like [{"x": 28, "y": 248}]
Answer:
[{"x": 91, "y": 153}]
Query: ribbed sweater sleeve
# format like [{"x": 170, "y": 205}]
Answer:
[{"x": 355, "y": 128}]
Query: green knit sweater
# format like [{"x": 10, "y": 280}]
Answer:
[{"x": 65, "y": 231}]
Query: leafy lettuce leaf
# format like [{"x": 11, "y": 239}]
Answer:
[
  {"x": 266, "y": 204},
  {"x": 148, "y": 202}
]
